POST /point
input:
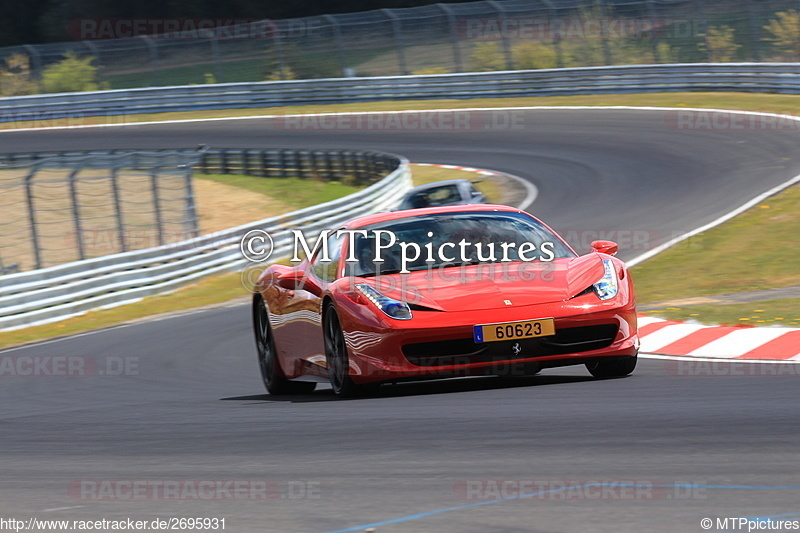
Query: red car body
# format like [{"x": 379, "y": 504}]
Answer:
[{"x": 438, "y": 341}]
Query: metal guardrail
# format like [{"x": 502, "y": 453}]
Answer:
[
  {"x": 749, "y": 77},
  {"x": 55, "y": 293}
]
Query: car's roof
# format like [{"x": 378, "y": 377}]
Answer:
[
  {"x": 367, "y": 220},
  {"x": 436, "y": 185}
]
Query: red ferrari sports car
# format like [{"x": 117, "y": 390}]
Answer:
[{"x": 442, "y": 292}]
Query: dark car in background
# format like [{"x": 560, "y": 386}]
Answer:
[{"x": 449, "y": 192}]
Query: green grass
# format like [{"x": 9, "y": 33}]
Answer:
[
  {"x": 296, "y": 192},
  {"x": 769, "y": 313},
  {"x": 759, "y": 249}
]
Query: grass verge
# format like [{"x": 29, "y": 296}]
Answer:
[
  {"x": 759, "y": 249},
  {"x": 295, "y": 192},
  {"x": 769, "y": 313}
]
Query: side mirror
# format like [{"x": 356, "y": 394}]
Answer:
[
  {"x": 605, "y": 247},
  {"x": 297, "y": 281}
]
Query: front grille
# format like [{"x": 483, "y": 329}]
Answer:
[{"x": 466, "y": 351}]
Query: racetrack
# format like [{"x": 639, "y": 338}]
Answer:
[{"x": 191, "y": 406}]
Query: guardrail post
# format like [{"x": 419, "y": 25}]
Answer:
[
  {"x": 245, "y": 162},
  {"x": 280, "y": 52},
  {"x": 503, "y": 35},
  {"x": 551, "y": 14},
  {"x": 398, "y": 40},
  {"x": 603, "y": 32},
  {"x": 223, "y": 162},
  {"x": 37, "y": 251},
  {"x": 751, "y": 19},
  {"x": 703, "y": 22},
  {"x": 329, "y": 166},
  {"x": 262, "y": 163},
  {"x": 651, "y": 12},
  {"x": 157, "y": 204},
  {"x": 36, "y": 59},
  {"x": 95, "y": 54},
  {"x": 76, "y": 215},
  {"x": 337, "y": 38},
  {"x": 282, "y": 161},
  {"x": 154, "y": 63},
  {"x": 451, "y": 19},
  {"x": 123, "y": 241},
  {"x": 190, "y": 222},
  {"x": 215, "y": 54}
]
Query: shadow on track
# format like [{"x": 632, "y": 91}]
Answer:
[{"x": 422, "y": 388}]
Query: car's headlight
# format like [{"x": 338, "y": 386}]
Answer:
[
  {"x": 608, "y": 286},
  {"x": 390, "y": 307}
]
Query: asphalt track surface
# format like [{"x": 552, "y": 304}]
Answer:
[{"x": 419, "y": 457}]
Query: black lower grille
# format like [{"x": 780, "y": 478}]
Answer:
[{"x": 466, "y": 351}]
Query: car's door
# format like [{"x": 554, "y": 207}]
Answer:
[{"x": 321, "y": 271}]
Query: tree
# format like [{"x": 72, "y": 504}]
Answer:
[
  {"x": 15, "y": 76},
  {"x": 72, "y": 74},
  {"x": 535, "y": 55},
  {"x": 487, "y": 56},
  {"x": 719, "y": 44},
  {"x": 785, "y": 30}
]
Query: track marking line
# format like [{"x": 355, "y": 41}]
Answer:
[{"x": 434, "y": 512}]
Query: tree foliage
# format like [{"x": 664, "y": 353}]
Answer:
[
  {"x": 785, "y": 33},
  {"x": 72, "y": 74},
  {"x": 719, "y": 43},
  {"x": 15, "y": 76}
]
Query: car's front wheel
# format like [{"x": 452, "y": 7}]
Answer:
[
  {"x": 268, "y": 364},
  {"x": 613, "y": 368},
  {"x": 337, "y": 358}
]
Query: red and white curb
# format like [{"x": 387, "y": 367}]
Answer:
[{"x": 667, "y": 337}]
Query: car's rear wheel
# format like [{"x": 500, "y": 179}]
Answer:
[
  {"x": 337, "y": 358},
  {"x": 614, "y": 368},
  {"x": 268, "y": 364}
]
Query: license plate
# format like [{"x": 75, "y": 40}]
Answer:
[{"x": 508, "y": 331}]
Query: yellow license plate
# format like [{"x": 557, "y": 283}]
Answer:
[{"x": 508, "y": 331}]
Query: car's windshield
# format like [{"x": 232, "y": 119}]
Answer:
[
  {"x": 453, "y": 239},
  {"x": 447, "y": 194}
]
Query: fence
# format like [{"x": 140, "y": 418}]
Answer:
[
  {"x": 58, "y": 207},
  {"x": 440, "y": 38},
  {"x": 54, "y": 293}
]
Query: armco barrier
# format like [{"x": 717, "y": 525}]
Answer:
[
  {"x": 749, "y": 77},
  {"x": 54, "y": 293}
]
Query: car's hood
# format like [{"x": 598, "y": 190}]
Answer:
[{"x": 492, "y": 286}]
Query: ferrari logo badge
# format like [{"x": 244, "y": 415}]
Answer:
[
  {"x": 517, "y": 348},
  {"x": 507, "y": 302}
]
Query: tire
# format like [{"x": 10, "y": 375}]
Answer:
[
  {"x": 615, "y": 368},
  {"x": 338, "y": 359},
  {"x": 268, "y": 364}
]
